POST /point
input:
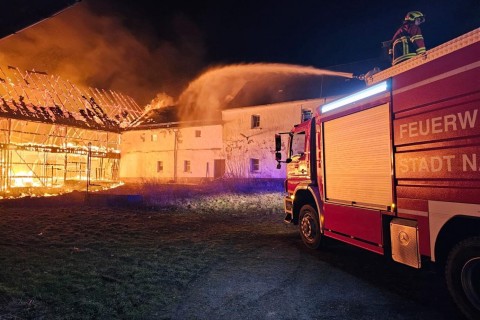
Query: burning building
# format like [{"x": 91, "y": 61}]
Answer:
[{"x": 55, "y": 135}]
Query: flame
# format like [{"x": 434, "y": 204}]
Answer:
[
  {"x": 161, "y": 100},
  {"x": 23, "y": 179}
]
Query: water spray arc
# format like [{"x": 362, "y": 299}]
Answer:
[{"x": 217, "y": 87}]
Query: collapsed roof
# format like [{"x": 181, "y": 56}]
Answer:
[{"x": 37, "y": 96}]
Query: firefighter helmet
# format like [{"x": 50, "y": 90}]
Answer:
[{"x": 414, "y": 15}]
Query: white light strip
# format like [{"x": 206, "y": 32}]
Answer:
[{"x": 380, "y": 87}]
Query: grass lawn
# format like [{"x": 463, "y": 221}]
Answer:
[{"x": 72, "y": 261}]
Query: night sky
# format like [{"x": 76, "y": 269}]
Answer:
[
  {"x": 316, "y": 33},
  {"x": 160, "y": 46}
]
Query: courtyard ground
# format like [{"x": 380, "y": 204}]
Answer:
[{"x": 216, "y": 251}]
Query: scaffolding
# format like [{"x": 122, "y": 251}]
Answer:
[{"x": 56, "y": 135}]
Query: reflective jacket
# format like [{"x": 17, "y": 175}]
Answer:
[{"x": 407, "y": 43}]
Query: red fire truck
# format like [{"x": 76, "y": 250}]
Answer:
[{"x": 395, "y": 168}]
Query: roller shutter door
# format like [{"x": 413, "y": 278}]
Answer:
[{"x": 358, "y": 165}]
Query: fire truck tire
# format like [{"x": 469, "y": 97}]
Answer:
[
  {"x": 310, "y": 227},
  {"x": 462, "y": 274}
]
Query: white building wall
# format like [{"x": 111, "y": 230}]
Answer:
[
  {"x": 199, "y": 151},
  {"x": 142, "y": 150},
  {"x": 243, "y": 143},
  {"x": 236, "y": 142}
]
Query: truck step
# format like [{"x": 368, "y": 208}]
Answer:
[{"x": 288, "y": 218}]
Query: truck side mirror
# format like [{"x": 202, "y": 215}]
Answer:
[
  {"x": 278, "y": 143},
  {"x": 278, "y": 156}
]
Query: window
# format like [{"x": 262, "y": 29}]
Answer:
[
  {"x": 254, "y": 165},
  {"x": 255, "y": 121},
  {"x": 154, "y": 137},
  {"x": 159, "y": 166},
  {"x": 297, "y": 145},
  {"x": 186, "y": 166},
  {"x": 198, "y": 133}
]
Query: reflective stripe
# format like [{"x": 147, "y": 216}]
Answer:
[
  {"x": 401, "y": 39},
  {"x": 417, "y": 37},
  {"x": 404, "y": 57}
]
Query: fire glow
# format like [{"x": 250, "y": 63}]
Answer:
[{"x": 54, "y": 134}]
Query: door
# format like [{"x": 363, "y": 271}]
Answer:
[{"x": 218, "y": 168}]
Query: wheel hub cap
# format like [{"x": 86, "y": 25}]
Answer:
[{"x": 307, "y": 228}]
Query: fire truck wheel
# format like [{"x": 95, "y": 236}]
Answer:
[
  {"x": 310, "y": 227},
  {"x": 462, "y": 274}
]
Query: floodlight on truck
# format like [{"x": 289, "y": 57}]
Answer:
[{"x": 371, "y": 91}]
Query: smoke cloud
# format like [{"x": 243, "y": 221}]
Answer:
[
  {"x": 91, "y": 45},
  {"x": 97, "y": 50}
]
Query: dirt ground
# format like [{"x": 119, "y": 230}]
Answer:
[{"x": 193, "y": 254}]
